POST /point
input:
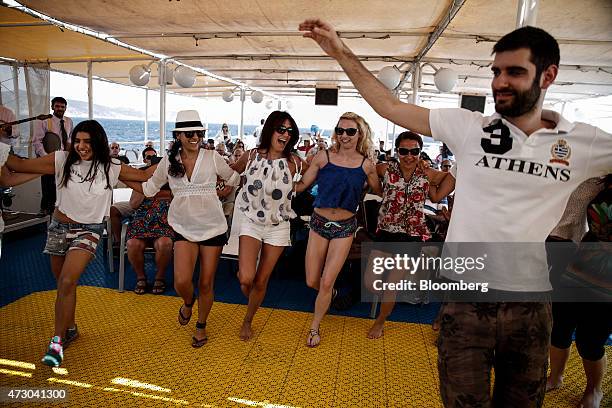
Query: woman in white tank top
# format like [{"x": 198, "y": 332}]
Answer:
[
  {"x": 265, "y": 205},
  {"x": 85, "y": 176}
]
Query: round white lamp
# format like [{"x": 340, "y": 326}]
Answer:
[
  {"x": 445, "y": 79},
  {"x": 139, "y": 75},
  {"x": 257, "y": 96},
  {"x": 184, "y": 76},
  {"x": 390, "y": 76},
  {"x": 228, "y": 95}
]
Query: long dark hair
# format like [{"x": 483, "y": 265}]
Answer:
[
  {"x": 275, "y": 120},
  {"x": 99, "y": 148},
  {"x": 176, "y": 168}
]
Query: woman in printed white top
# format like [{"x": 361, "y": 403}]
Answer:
[
  {"x": 195, "y": 214},
  {"x": 84, "y": 176},
  {"x": 341, "y": 174},
  {"x": 265, "y": 203}
]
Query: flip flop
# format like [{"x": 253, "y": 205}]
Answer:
[
  {"x": 159, "y": 287},
  {"x": 141, "y": 286},
  {"x": 181, "y": 318},
  {"x": 197, "y": 343}
]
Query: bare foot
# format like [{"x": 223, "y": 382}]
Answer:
[
  {"x": 245, "y": 331},
  {"x": 553, "y": 383},
  {"x": 591, "y": 399},
  {"x": 377, "y": 330},
  {"x": 314, "y": 338}
]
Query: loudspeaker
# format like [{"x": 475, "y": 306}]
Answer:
[
  {"x": 475, "y": 103},
  {"x": 326, "y": 96}
]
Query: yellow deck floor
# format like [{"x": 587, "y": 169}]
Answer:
[{"x": 130, "y": 337}]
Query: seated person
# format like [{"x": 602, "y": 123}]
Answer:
[
  {"x": 115, "y": 148},
  {"x": 236, "y": 154},
  {"x": 149, "y": 155},
  {"x": 149, "y": 227},
  {"x": 221, "y": 150}
]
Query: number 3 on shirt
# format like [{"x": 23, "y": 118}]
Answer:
[{"x": 500, "y": 141}]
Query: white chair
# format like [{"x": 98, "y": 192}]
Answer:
[
  {"x": 230, "y": 250},
  {"x": 123, "y": 254}
]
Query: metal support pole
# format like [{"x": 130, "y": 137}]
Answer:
[
  {"x": 527, "y": 13},
  {"x": 90, "y": 89},
  {"x": 146, "y": 124},
  {"x": 416, "y": 81},
  {"x": 162, "y": 108},
  {"x": 242, "y": 98},
  {"x": 280, "y": 104},
  {"x": 16, "y": 89}
]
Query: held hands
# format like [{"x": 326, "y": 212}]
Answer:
[{"x": 324, "y": 34}]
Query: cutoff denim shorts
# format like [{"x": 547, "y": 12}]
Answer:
[{"x": 64, "y": 237}]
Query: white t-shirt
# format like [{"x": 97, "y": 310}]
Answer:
[
  {"x": 195, "y": 210},
  {"x": 4, "y": 152},
  {"x": 513, "y": 188},
  {"x": 85, "y": 202}
]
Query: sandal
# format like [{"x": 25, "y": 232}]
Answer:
[
  {"x": 159, "y": 287},
  {"x": 196, "y": 343},
  {"x": 181, "y": 318},
  {"x": 141, "y": 286},
  {"x": 312, "y": 333}
]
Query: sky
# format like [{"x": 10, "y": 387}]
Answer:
[{"x": 597, "y": 111}]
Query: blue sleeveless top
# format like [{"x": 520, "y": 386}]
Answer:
[{"x": 340, "y": 187}]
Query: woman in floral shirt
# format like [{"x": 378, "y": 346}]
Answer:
[{"x": 401, "y": 217}]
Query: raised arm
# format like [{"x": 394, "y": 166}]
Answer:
[
  {"x": 438, "y": 192},
  {"x": 129, "y": 173},
  {"x": 406, "y": 115},
  {"x": 240, "y": 165},
  {"x": 156, "y": 180},
  {"x": 436, "y": 177},
  {"x": 9, "y": 179},
  {"x": 224, "y": 171},
  {"x": 40, "y": 165},
  {"x": 381, "y": 168},
  {"x": 373, "y": 179},
  {"x": 310, "y": 175}
]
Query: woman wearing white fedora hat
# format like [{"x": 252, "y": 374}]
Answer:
[{"x": 195, "y": 214}]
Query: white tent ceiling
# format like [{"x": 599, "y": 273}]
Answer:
[{"x": 256, "y": 42}]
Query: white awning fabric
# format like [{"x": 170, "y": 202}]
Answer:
[{"x": 257, "y": 43}]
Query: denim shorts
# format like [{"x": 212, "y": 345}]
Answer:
[
  {"x": 329, "y": 229},
  {"x": 63, "y": 237}
]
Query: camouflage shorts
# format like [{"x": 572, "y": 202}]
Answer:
[{"x": 513, "y": 338}]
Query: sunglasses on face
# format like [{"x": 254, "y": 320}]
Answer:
[
  {"x": 405, "y": 151},
  {"x": 197, "y": 133},
  {"x": 446, "y": 166},
  {"x": 349, "y": 131},
  {"x": 281, "y": 130},
  {"x": 150, "y": 157}
]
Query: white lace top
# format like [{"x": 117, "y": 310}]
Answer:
[{"x": 195, "y": 211}]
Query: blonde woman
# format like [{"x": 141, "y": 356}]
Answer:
[{"x": 341, "y": 174}]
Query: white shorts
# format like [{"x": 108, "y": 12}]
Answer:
[
  {"x": 124, "y": 208},
  {"x": 277, "y": 235}
]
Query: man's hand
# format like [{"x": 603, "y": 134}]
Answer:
[{"x": 325, "y": 35}]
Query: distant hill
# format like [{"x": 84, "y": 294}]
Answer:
[{"x": 81, "y": 109}]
